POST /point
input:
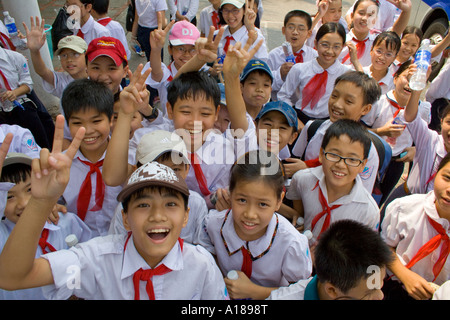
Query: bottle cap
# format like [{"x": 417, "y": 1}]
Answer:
[
  {"x": 300, "y": 221},
  {"x": 232, "y": 275},
  {"x": 71, "y": 240},
  {"x": 6, "y": 13},
  {"x": 308, "y": 234}
]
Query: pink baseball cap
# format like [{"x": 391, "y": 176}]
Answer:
[
  {"x": 182, "y": 33},
  {"x": 107, "y": 46}
]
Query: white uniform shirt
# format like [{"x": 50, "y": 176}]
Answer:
[
  {"x": 68, "y": 223},
  {"x": 386, "y": 83},
  {"x": 241, "y": 35},
  {"x": 439, "y": 87},
  {"x": 358, "y": 205},
  {"x": 383, "y": 111},
  {"x": 146, "y": 11},
  {"x": 187, "y": 8},
  {"x": 312, "y": 150},
  {"x": 92, "y": 30},
  {"x": 60, "y": 82},
  {"x": 190, "y": 233},
  {"x": 16, "y": 70},
  {"x": 205, "y": 22},
  {"x": 299, "y": 76},
  {"x": 365, "y": 59},
  {"x": 107, "y": 270},
  {"x": 22, "y": 142},
  {"x": 430, "y": 151},
  {"x": 278, "y": 58},
  {"x": 283, "y": 252},
  {"x": 406, "y": 228},
  {"x": 97, "y": 221},
  {"x": 117, "y": 31},
  {"x": 295, "y": 291}
]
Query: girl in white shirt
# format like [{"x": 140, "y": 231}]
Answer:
[
  {"x": 251, "y": 237},
  {"x": 416, "y": 227}
]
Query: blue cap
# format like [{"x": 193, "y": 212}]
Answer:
[
  {"x": 282, "y": 107},
  {"x": 223, "y": 100},
  {"x": 253, "y": 65}
]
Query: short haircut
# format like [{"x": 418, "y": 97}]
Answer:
[
  {"x": 331, "y": 27},
  {"x": 391, "y": 39},
  {"x": 15, "y": 173},
  {"x": 140, "y": 192},
  {"x": 84, "y": 94},
  {"x": 346, "y": 250},
  {"x": 258, "y": 165},
  {"x": 370, "y": 87},
  {"x": 354, "y": 130},
  {"x": 100, "y": 6},
  {"x": 298, "y": 13},
  {"x": 193, "y": 85}
]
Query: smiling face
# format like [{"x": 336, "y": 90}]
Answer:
[
  {"x": 329, "y": 48},
  {"x": 233, "y": 16},
  {"x": 155, "y": 216},
  {"x": 98, "y": 127},
  {"x": 410, "y": 44},
  {"x": 442, "y": 191},
  {"x": 73, "y": 63},
  {"x": 402, "y": 91},
  {"x": 445, "y": 131},
  {"x": 364, "y": 18},
  {"x": 382, "y": 56},
  {"x": 193, "y": 119},
  {"x": 338, "y": 175},
  {"x": 296, "y": 32},
  {"x": 347, "y": 102},
  {"x": 253, "y": 204},
  {"x": 17, "y": 199},
  {"x": 103, "y": 69},
  {"x": 256, "y": 90},
  {"x": 181, "y": 54},
  {"x": 334, "y": 12}
]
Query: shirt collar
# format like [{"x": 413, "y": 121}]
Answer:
[
  {"x": 317, "y": 68},
  {"x": 311, "y": 292},
  {"x": 88, "y": 25}
]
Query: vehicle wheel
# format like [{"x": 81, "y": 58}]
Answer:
[{"x": 436, "y": 32}]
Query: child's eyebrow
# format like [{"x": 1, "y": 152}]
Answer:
[{"x": 339, "y": 152}]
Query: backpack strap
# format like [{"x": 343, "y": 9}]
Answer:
[{"x": 310, "y": 133}]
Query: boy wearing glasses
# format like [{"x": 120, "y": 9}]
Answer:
[
  {"x": 71, "y": 53},
  {"x": 296, "y": 30},
  {"x": 334, "y": 191}
]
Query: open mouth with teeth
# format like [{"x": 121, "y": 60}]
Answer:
[
  {"x": 159, "y": 234},
  {"x": 90, "y": 140}
]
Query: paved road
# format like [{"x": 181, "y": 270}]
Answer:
[{"x": 271, "y": 23}]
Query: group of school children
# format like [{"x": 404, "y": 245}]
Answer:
[{"x": 252, "y": 175}]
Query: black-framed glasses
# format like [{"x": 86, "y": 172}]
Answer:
[{"x": 352, "y": 162}]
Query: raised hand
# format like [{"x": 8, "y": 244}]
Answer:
[
  {"x": 4, "y": 149},
  {"x": 51, "y": 172},
  {"x": 36, "y": 34},
  {"x": 158, "y": 36},
  {"x": 250, "y": 15},
  {"x": 135, "y": 96},
  {"x": 206, "y": 48}
]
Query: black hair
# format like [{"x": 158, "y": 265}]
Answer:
[
  {"x": 159, "y": 189},
  {"x": 331, "y": 27},
  {"x": 444, "y": 161},
  {"x": 222, "y": 20},
  {"x": 258, "y": 165},
  {"x": 370, "y": 87},
  {"x": 298, "y": 13},
  {"x": 15, "y": 173},
  {"x": 100, "y": 6},
  {"x": 354, "y": 130},
  {"x": 403, "y": 67},
  {"x": 413, "y": 30},
  {"x": 193, "y": 85},
  {"x": 391, "y": 39},
  {"x": 84, "y": 94},
  {"x": 345, "y": 252},
  {"x": 358, "y": 2}
]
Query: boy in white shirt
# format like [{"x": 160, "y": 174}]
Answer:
[
  {"x": 334, "y": 190},
  {"x": 147, "y": 263},
  {"x": 209, "y": 16}
]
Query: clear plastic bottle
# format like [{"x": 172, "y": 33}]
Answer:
[
  {"x": 10, "y": 24},
  {"x": 311, "y": 240},
  {"x": 289, "y": 54},
  {"x": 422, "y": 59},
  {"x": 71, "y": 240},
  {"x": 232, "y": 275}
]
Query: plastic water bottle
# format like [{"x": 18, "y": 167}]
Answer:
[
  {"x": 300, "y": 222},
  {"x": 10, "y": 24},
  {"x": 7, "y": 105},
  {"x": 232, "y": 275},
  {"x": 71, "y": 240},
  {"x": 287, "y": 48},
  {"x": 308, "y": 234},
  {"x": 422, "y": 60},
  {"x": 185, "y": 10}
]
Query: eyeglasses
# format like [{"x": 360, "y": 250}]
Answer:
[
  {"x": 71, "y": 55},
  {"x": 183, "y": 50},
  {"x": 387, "y": 55},
  {"x": 326, "y": 46},
  {"x": 299, "y": 28},
  {"x": 333, "y": 157},
  {"x": 235, "y": 11}
]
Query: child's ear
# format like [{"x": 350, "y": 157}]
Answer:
[
  {"x": 309, "y": 34},
  {"x": 186, "y": 217},
  {"x": 294, "y": 136},
  {"x": 169, "y": 111},
  {"x": 125, "y": 221},
  {"x": 283, "y": 30},
  {"x": 365, "y": 109},
  {"x": 125, "y": 71},
  {"x": 321, "y": 155},
  {"x": 331, "y": 291},
  {"x": 217, "y": 113}
]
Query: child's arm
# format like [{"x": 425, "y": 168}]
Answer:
[
  {"x": 12, "y": 95},
  {"x": 412, "y": 106},
  {"x": 437, "y": 49},
  {"x": 133, "y": 97},
  {"x": 249, "y": 16},
  {"x": 49, "y": 176},
  {"x": 354, "y": 56},
  {"x": 322, "y": 8},
  {"x": 35, "y": 41},
  {"x": 416, "y": 286},
  {"x": 235, "y": 61},
  {"x": 402, "y": 20},
  {"x": 157, "y": 40},
  {"x": 244, "y": 288}
]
